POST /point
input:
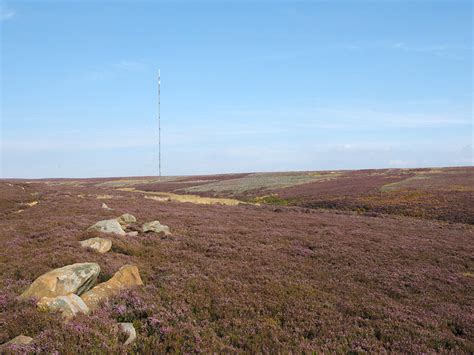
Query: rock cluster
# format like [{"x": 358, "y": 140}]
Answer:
[
  {"x": 69, "y": 290},
  {"x": 119, "y": 226},
  {"x": 72, "y": 289}
]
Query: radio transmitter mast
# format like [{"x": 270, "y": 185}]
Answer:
[{"x": 159, "y": 124}]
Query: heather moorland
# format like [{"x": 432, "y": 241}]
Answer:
[{"x": 334, "y": 261}]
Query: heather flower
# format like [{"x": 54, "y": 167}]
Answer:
[
  {"x": 3, "y": 302},
  {"x": 120, "y": 309},
  {"x": 153, "y": 321}
]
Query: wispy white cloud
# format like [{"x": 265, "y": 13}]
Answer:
[
  {"x": 344, "y": 118},
  {"x": 421, "y": 48},
  {"x": 373, "y": 119},
  {"x": 128, "y": 65},
  {"x": 186, "y": 151},
  {"x": 73, "y": 140},
  {"x": 97, "y": 75},
  {"x": 6, "y": 13},
  {"x": 255, "y": 124},
  {"x": 272, "y": 57},
  {"x": 112, "y": 70},
  {"x": 435, "y": 49}
]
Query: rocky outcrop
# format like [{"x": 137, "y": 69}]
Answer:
[
  {"x": 68, "y": 305},
  {"x": 127, "y": 277},
  {"x": 156, "y": 227},
  {"x": 20, "y": 340},
  {"x": 126, "y": 219},
  {"x": 128, "y": 329},
  {"x": 100, "y": 245},
  {"x": 107, "y": 226},
  {"x": 75, "y": 278}
]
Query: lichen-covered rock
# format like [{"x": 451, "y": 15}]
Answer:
[
  {"x": 20, "y": 340},
  {"x": 126, "y": 219},
  {"x": 100, "y": 245},
  {"x": 127, "y": 277},
  {"x": 156, "y": 227},
  {"x": 128, "y": 329},
  {"x": 107, "y": 226},
  {"x": 68, "y": 305},
  {"x": 75, "y": 278}
]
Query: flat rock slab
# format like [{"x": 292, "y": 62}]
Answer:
[
  {"x": 129, "y": 329},
  {"x": 20, "y": 340},
  {"x": 126, "y": 219},
  {"x": 127, "y": 277},
  {"x": 75, "y": 278},
  {"x": 100, "y": 245},
  {"x": 68, "y": 305},
  {"x": 107, "y": 226},
  {"x": 156, "y": 227}
]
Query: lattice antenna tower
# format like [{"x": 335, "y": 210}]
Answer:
[{"x": 159, "y": 123}]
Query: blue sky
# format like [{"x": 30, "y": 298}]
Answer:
[{"x": 246, "y": 86}]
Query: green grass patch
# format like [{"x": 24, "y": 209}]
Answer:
[{"x": 270, "y": 200}]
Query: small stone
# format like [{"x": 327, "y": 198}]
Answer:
[
  {"x": 101, "y": 245},
  {"x": 129, "y": 329},
  {"x": 132, "y": 234},
  {"x": 21, "y": 340},
  {"x": 107, "y": 226},
  {"x": 156, "y": 227},
  {"x": 105, "y": 207},
  {"x": 68, "y": 305},
  {"x": 126, "y": 219}
]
